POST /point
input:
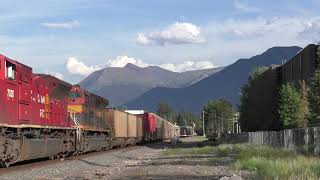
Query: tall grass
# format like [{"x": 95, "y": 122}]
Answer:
[
  {"x": 282, "y": 168},
  {"x": 273, "y": 163},
  {"x": 270, "y": 163},
  {"x": 267, "y": 162}
]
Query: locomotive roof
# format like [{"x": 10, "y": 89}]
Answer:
[
  {"x": 56, "y": 79},
  {"x": 14, "y": 61},
  {"x": 99, "y": 98}
]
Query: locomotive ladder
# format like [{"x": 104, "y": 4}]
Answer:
[{"x": 74, "y": 119}]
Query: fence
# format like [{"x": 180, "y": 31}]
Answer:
[{"x": 304, "y": 140}]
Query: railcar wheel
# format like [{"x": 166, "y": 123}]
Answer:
[
  {"x": 5, "y": 164},
  {"x": 62, "y": 156}
]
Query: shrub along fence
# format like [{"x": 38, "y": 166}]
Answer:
[{"x": 303, "y": 140}]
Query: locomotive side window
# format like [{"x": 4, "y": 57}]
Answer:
[{"x": 10, "y": 71}]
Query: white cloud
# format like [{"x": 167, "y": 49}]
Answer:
[
  {"x": 177, "y": 33},
  {"x": 236, "y": 36},
  {"x": 62, "y": 25},
  {"x": 188, "y": 66},
  {"x": 76, "y": 67},
  {"x": 121, "y": 61},
  {"x": 244, "y": 6},
  {"x": 311, "y": 30},
  {"x": 143, "y": 39}
]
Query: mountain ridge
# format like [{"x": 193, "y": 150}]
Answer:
[
  {"x": 122, "y": 84},
  {"x": 223, "y": 84}
]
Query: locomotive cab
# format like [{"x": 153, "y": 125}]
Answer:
[
  {"x": 9, "y": 89},
  {"x": 86, "y": 108},
  {"x": 80, "y": 100},
  {"x": 76, "y": 100},
  {"x": 76, "y": 96}
]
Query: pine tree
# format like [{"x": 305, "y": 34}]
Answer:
[
  {"x": 314, "y": 99},
  {"x": 243, "y": 108},
  {"x": 181, "y": 120},
  {"x": 165, "y": 110},
  {"x": 218, "y": 117},
  {"x": 304, "y": 108}
]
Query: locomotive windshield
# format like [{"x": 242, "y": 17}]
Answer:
[{"x": 74, "y": 95}]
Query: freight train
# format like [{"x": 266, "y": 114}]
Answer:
[{"x": 42, "y": 116}]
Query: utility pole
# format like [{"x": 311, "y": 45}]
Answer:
[
  {"x": 203, "y": 131},
  {"x": 233, "y": 121}
]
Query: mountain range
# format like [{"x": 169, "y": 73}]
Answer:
[
  {"x": 123, "y": 84},
  {"x": 223, "y": 84}
]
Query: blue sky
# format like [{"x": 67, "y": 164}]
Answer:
[{"x": 73, "y": 38}]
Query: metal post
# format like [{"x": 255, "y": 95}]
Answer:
[
  {"x": 203, "y": 129},
  {"x": 233, "y": 121}
]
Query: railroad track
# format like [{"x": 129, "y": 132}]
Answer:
[{"x": 30, "y": 164}]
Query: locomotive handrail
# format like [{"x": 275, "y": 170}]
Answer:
[
  {"x": 76, "y": 123},
  {"x": 109, "y": 126}
]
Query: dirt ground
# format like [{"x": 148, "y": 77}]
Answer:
[
  {"x": 138, "y": 162},
  {"x": 184, "y": 167}
]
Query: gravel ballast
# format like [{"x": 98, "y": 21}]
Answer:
[{"x": 137, "y": 162}]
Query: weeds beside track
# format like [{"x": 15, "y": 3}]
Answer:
[{"x": 265, "y": 162}]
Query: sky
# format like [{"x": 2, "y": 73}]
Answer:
[{"x": 72, "y": 38}]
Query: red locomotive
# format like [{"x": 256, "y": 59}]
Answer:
[{"x": 42, "y": 116}]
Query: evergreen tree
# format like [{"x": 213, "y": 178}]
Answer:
[
  {"x": 289, "y": 106},
  {"x": 185, "y": 118},
  {"x": 166, "y": 111},
  {"x": 304, "y": 108},
  {"x": 181, "y": 120},
  {"x": 314, "y": 99},
  {"x": 218, "y": 116},
  {"x": 314, "y": 96},
  {"x": 243, "y": 108}
]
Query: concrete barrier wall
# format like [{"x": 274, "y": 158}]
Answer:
[{"x": 304, "y": 140}]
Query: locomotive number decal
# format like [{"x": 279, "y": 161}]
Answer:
[
  {"x": 41, "y": 113},
  {"x": 10, "y": 93},
  {"x": 41, "y": 99}
]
